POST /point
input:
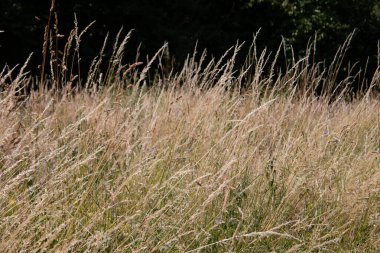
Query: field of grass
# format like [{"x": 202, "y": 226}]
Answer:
[{"x": 192, "y": 163}]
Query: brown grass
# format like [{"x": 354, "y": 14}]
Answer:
[{"x": 191, "y": 164}]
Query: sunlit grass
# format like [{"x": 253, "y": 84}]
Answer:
[{"x": 191, "y": 164}]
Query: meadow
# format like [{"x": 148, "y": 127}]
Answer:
[{"x": 210, "y": 158}]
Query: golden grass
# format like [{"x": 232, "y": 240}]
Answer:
[{"x": 190, "y": 164}]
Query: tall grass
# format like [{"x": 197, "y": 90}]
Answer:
[{"x": 206, "y": 159}]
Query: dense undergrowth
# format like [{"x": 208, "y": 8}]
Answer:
[{"x": 188, "y": 161}]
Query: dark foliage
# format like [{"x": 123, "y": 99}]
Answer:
[{"x": 214, "y": 24}]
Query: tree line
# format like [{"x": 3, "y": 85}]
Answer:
[{"x": 212, "y": 24}]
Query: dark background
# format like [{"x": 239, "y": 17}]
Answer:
[{"x": 214, "y": 24}]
